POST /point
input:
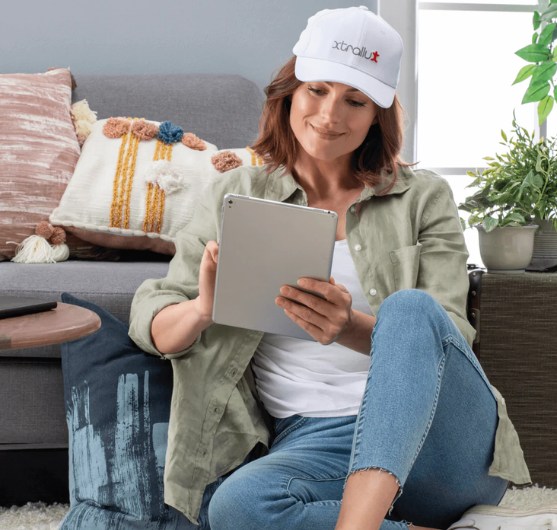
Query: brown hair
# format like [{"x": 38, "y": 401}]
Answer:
[{"x": 278, "y": 146}]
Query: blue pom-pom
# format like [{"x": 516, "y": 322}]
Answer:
[{"x": 170, "y": 133}]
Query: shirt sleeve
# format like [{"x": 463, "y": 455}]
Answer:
[
  {"x": 181, "y": 281},
  {"x": 443, "y": 255}
]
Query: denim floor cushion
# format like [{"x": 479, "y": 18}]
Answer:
[{"x": 117, "y": 408}]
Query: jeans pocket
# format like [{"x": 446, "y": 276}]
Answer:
[{"x": 284, "y": 426}]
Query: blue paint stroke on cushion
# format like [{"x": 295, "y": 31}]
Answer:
[
  {"x": 117, "y": 409},
  {"x": 86, "y": 450},
  {"x": 160, "y": 440}
]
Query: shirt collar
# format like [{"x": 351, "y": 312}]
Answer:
[{"x": 283, "y": 186}]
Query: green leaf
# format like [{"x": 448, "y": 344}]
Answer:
[
  {"x": 489, "y": 223},
  {"x": 534, "y": 53},
  {"x": 538, "y": 181},
  {"x": 544, "y": 72},
  {"x": 546, "y": 36},
  {"x": 536, "y": 92},
  {"x": 515, "y": 218},
  {"x": 528, "y": 181},
  {"x": 524, "y": 73},
  {"x": 536, "y": 20},
  {"x": 539, "y": 160},
  {"x": 544, "y": 108}
]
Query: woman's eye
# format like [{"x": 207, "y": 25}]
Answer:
[
  {"x": 356, "y": 103},
  {"x": 317, "y": 91}
]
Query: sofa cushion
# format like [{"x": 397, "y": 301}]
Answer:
[
  {"x": 38, "y": 151},
  {"x": 137, "y": 183},
  {"x": 117, "y": 407}
]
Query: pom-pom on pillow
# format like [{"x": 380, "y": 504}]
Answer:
[
  {"x": 117, "y": 409},
  {"x": 137, "y": 183},
  {"x": 83, "y": 119},
  {"x": 38, "y": 151}
]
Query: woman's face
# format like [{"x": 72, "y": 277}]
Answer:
[{"x": 330, "y": 120}]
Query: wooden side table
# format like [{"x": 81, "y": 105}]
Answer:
[
  {"x": 38, "y": 467},
  {"x": 64, "y": 323}
]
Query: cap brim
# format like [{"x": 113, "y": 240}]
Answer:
[{"x": 308, "y": 69}]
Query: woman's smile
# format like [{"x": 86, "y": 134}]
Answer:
[{"x": 326, "y": 134}]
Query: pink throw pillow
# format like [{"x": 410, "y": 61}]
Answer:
[{"x": 38, "y": 151}]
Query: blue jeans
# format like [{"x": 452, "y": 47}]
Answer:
[{"x": 428, "y": 416}]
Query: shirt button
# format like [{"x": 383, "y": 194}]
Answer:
[
  {"x": 352, "y": 209},
  {"x": 357, "y": 247},
  {"x": 373, "y": 292}
]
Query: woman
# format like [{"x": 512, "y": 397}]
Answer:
[{"x": 407, "y": 433}]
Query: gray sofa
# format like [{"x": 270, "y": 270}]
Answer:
[{"x": 222, "y": 109}]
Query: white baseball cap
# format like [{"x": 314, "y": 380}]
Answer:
[{"x": 352, "y": 46}]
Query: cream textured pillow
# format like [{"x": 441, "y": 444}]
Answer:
[
  {"x": 137, "y": 182},
  {"x": 38, "y": 151}
]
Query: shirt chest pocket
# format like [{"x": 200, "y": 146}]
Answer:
[{"x": 405, "y": 265}]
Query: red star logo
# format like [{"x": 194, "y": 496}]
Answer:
[{"x": 375, "y": 56}]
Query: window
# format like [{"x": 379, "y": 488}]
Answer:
[{"x": 466, "y": 65}]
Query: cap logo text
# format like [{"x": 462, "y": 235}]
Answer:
[{"x": 355, "y": 50}]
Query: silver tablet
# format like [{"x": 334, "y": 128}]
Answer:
[{"x": 263, "y": 245}]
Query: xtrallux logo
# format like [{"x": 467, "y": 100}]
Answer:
[{"x": 355, "y": 50}]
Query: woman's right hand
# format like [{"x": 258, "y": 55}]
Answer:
[
  {"x": 207, "y": 279},
  {"x": 177, "y": 326}
]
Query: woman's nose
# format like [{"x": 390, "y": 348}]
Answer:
[{"x": 330, "y": 110}]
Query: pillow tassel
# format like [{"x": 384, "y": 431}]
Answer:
[
  {"x": 60, "y": 252},
  {"x": 34, "y": 249}
]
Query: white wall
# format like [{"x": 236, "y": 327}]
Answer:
[{"x": 249, "y": 37}]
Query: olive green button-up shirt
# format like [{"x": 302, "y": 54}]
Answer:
[{"x": 409, "y": 237}]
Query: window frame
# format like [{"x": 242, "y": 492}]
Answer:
[{"x": 404, "y": 16}]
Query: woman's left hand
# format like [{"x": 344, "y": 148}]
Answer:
[{"x": 324, "y": 317}]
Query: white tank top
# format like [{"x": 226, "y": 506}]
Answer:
[{"x": 295, "y": 376}]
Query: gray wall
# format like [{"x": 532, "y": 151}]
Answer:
[
  {"x": 247, "y": 37},
  {"x": 402, "y": 15}
]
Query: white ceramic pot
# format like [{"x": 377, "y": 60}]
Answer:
[{"x": 508, "y": 249}]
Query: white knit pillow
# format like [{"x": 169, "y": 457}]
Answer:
[{"x": 135, "y": 191}]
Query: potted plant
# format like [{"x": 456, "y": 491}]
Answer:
[
  {"x": 516, "y": 189},
  {"x": 541, "y": 53}
]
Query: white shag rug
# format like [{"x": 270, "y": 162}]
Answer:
[{"x": 39, "y": 516}]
